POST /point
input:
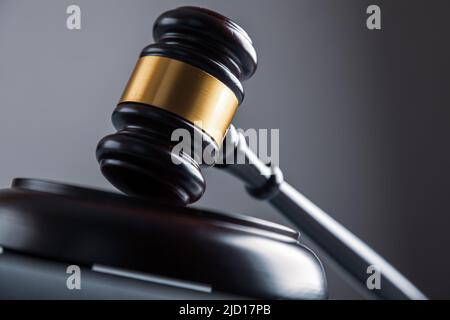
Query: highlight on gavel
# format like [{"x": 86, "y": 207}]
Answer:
[{"x": 191, "y": 78}]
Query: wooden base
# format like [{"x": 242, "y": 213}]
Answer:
[{"x": 232, "y": 254}]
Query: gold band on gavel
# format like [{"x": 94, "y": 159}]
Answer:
[{"x": 184, "y": 90}]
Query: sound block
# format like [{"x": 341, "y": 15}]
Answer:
[{"x": 179, "y": 252}]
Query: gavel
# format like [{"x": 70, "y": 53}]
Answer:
[{"x": 191, "y": 78}]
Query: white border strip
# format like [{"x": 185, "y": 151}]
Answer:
[{"x": 152, "y": 278}]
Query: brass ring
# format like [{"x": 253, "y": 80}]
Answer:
[{"x": 184, "y": 90}]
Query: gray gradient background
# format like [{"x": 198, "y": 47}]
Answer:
[{"x": 363, "y": 115}]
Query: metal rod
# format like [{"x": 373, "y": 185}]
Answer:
[{"x": 333, "y": 239}]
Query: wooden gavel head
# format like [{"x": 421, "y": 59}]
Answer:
[{"x": 190, "y": 78}]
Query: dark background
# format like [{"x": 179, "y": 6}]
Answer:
[{"x": 363, "y": 115}]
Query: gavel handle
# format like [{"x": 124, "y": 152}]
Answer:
[{"x": 348, "y": 252}]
